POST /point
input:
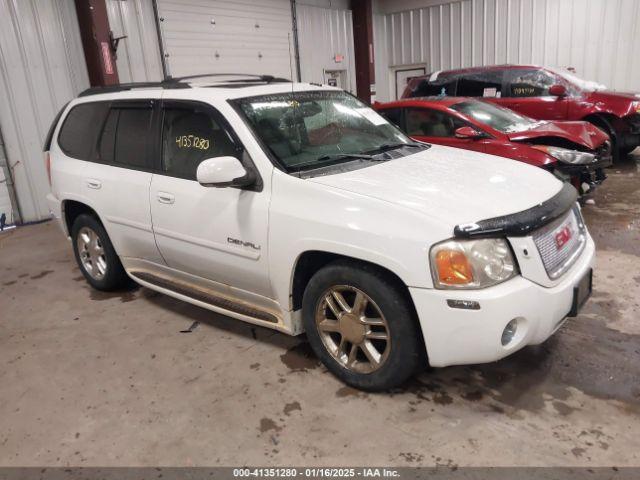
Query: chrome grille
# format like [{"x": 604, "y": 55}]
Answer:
[{"x": 558, "y": 259}]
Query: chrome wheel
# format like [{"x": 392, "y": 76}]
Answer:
[
  {"x": 353, "y": 329},
  {"x": 91, "y": 252}
]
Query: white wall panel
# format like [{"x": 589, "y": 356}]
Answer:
[
  {"x": 241, "y": 36},
  {"x": 324, "y": 33},
  {"x": 596, "y": 37},
  {"x": 42, "y": 67},
  {"x": 138, "y": 54}
]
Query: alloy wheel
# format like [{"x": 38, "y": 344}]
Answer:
[
  {"x": 353, "y": 329},
  {"x": 91, "y": 252}
]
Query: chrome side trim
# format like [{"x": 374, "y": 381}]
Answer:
[
  {"x": 234, "y": 250},
  {"x": 217, "y": 297},
  {"x": 129, "y": 223}
]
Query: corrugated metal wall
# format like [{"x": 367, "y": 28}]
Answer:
[
  {"x": 597, "y": 37},
  {"x": 139, "y": 53},
  {"x": 205, "y": 36},
  {"x": 42, "y": 67},
  {"x": 6, "y": 207},
  {"x": 324, "y": 33}
]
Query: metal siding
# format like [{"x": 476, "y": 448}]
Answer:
[
  {"x": 596, "y": 37},
  {"x": 5, "y": 200},
  {"x": 206, "y": 36},
  {"x": 41, "y": 68},
  {"x": 323, "y": 33},
  {"x": 138, "y": 54}
]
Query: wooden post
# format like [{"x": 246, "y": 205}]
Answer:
[
  {"x": 96, "y": 42},
  {"x": 362, "y": 12}
]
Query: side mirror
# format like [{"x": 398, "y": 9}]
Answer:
[
  {"x": 557, "y": 90},
  {"x": 223, "y": 172},
  {"x": 468, "y": 132}
]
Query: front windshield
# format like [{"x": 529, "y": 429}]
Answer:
[
  {"x": 306, "y": 130},
  {"x": 498, "y": 118},
  {"x": 587, "y": 85}
]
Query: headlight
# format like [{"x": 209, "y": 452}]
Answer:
[
  {"x": 472, "y": 263},
  {"x": 565, "y": 155}
]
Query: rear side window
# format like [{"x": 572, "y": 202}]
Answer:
[
  {"x": 394, "y": 115},
  {"x": 191, "y": 134},
  {"x": 430, "y": 123},
  {"x": 443, "y": 85},
  {"x": 481, "y": 84},
  {"x": 80, "y": 130},
  {"x": 125, "y": 137}
]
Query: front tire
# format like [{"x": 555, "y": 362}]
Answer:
[
  {"x": 361, "y": 325},
  {"x": 95, "y": 254}
]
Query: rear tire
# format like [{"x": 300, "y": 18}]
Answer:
[
  {"x": 361, "y": 325},
  {"x": 95, "y": 254}
]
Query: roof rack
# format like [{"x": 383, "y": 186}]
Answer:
[{"x": 183, "y": 82}]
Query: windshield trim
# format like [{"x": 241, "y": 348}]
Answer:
[{"x": 235, "y": 103}]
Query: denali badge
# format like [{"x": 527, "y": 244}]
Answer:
[
  {"x": 563, "y": 236},
  {"x": 235, "y": 241}
]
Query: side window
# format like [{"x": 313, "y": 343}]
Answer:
[
  {"x": 79, "y": 131},
  {"x": 481, "y": 84},
  {"x": 431, "y": 123},
  {"x": 125, "y": 136},
  {"x": 530, "y": 83},
  {"x": 394, "y": 115},
  {"x": 443, "y": 85},
  {"x": 191, "y": 135}
]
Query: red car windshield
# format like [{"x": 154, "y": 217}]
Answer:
[{"x": 498, "y": 118}]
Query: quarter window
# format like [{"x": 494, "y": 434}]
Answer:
[
  {"x": 191, "y": 135},
  {"x": 444, "y": 84},
  {"x": 80, "y": 129},
  {"x": 431, "y": 123}
]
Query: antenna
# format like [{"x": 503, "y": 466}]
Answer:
[{"x": 290, "y": 59}]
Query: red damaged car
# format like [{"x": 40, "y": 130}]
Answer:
[
  {"x": 544, "y": 94},
  {"x": 576, "y": 152}
]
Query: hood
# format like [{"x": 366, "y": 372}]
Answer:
[
  {"x": 618, "y": 103},
  {"x": 451, "y": 185},
  {"x": 582, "y": 133}
]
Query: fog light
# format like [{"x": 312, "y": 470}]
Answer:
[{"x": 509, "y": 332}]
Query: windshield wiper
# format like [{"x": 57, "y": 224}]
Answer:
[
  {"x": 325, "y": 160},
  {"x": 394, "y": 146}
]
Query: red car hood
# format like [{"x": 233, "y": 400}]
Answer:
[{"x": 582, "y": 133}]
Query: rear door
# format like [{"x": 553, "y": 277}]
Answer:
[
  {"x": 527, "y": 92},
  {"x": 116, "y": 173},
  {"x": 218, "y": 234}
]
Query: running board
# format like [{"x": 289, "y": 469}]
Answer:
[{"x": 208, "y": 297}]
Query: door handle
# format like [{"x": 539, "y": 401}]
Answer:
[
  {"x": 92, "y": 183},
  {"x": 164, "y": 197}
]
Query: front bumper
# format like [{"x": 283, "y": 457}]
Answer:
[{"x": 456, "y": 336}]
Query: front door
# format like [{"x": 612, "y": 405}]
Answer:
[
  {"x": 217, "y": 234},
  {"x": 527, "y": 92},
  {"x": 435, "y": 126}
]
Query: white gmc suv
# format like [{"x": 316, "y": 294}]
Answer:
[{"x": 297, "y": 207}]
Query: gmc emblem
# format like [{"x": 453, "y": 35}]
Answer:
[{"x": 563, "y": 236}]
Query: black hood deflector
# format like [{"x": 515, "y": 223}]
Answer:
[{"x": 521, "y": 223}]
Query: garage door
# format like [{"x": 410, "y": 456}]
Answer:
[{"x": 206, "y": 36}]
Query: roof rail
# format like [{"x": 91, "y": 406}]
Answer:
[{"x": 182, "y": 82}]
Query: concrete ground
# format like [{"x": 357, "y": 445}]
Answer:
[{"x": 88, "y": 378}]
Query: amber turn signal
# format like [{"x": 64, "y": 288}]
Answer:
[{"x": 453, "y": 268}]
